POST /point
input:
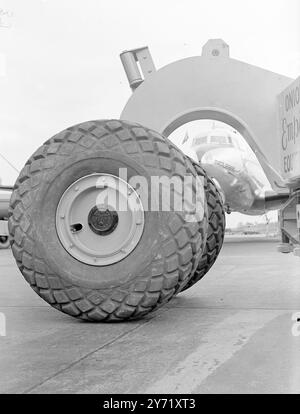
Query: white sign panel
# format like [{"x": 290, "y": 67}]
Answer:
[{"x": 289, "y": 127}]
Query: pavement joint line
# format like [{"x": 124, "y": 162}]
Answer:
[
  {"x": 226, "y": 340},
  {"x": 72, "y": 364}
]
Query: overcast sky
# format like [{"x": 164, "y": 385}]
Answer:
[{"x": 59, "y": 59}]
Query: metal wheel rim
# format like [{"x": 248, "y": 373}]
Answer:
[{"x": 82, "y": 237}]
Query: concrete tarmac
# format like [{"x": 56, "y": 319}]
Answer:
[{"x": 233, "y": 332}]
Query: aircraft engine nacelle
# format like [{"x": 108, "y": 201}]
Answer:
[{"x": 239, "y": 179}]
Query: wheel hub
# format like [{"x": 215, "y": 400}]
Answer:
[
  {"x": 100, "y": 219},
  {"x": 103, "y": 220}
]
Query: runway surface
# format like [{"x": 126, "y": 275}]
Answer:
[{"x": 233, "y": 332}]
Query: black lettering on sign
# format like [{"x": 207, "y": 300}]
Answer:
[{"x": 292, "y": 98}]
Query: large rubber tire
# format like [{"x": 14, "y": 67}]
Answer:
[
  {"x": 168, "y": 252},
  {"x": 216, "y": 229},
  {"x": 4, "y": 242}
]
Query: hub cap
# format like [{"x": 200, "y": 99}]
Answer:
[
  {"x": 100, "y": 219},
  {"x": 103, "y": 220}
]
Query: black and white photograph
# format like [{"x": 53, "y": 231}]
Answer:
[{"x": 149, "y": 201}]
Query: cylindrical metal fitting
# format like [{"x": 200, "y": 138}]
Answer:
[{"x": 131, "y": 68}]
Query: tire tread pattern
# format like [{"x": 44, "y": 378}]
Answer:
[
  {"x": 160, "y": 280},
  {"x": 216, "y": 229}
]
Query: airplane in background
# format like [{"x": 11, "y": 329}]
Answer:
[{"x": 235, "y": 170}]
